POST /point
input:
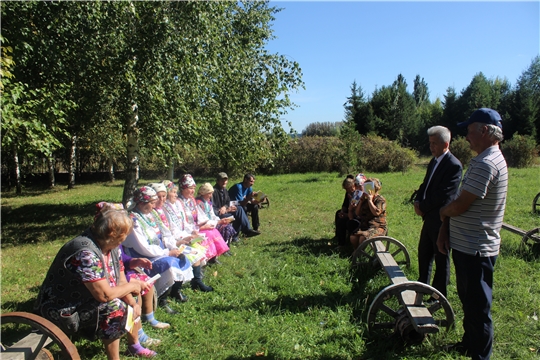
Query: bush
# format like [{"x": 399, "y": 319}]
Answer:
[
  {"x": 349, "y": 161},
  {"x": 520, "y": 151},
  {"x": 322, "y": 129},
  {"x": 310, "y": 154},
  {"x": 461, "y": 149},
  {"x": 380, "y": 155}
]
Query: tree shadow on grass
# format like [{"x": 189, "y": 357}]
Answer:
[
  {"x": 46, "y": 222},
  {"x": 25, "y": 306},
  {"x": 306, "y": 246},
  {"x": 310, "y": 180}
]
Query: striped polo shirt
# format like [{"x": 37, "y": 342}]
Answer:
[{"x": 477, "y": 230}]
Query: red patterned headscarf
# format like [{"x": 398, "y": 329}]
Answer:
[
  {"x": 144, "y": 194},
  {"x": 187, "y": 182}
]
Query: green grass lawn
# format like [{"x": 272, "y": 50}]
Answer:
[{"x": 285, "y": 294}]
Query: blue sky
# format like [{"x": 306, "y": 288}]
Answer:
[{"x": 446, "y": 43}]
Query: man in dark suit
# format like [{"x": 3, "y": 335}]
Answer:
[{"x": 438, "y": 189}]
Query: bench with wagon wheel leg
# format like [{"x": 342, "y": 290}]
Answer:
[
  {"x": 31, "y": 343},
  {"x": 531, "y": 237},
  {"x": 403, "y": 306}
]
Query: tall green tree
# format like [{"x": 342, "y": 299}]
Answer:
[
  {"x": 525, "y": 110},
  {"x": 420, "y": 91},
  {"x": 395, "y": 113},
  {"x": 165, "y": 74},
  {"x": 452, "y": 113}
]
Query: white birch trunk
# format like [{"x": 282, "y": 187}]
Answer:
[
  {"x": 17, "y": 171},
  {"x": 132, "y": 171},
  {"x": 72, "y": 162},
  {"x": 111, "y": 169},
  {"x": 170, "y": 176},
  {"x": 50, "y": 166}
]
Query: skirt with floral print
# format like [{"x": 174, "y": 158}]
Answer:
[
  {"x": 112, "y": 319},
  {"x": 227, "y": 231}
]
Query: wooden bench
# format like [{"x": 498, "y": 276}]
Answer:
[
  {"x": 529, "y": 237},
  {"x": 403, "y": 306}
]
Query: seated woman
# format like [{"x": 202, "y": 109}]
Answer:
[
  {"x": 223, "y": 225},
  {"x": 130, "y": 264},
  {"x": 147, "y": 241},
  {"x": 183, "y": 232},
  {"x": 342, "y": 215},
  {"x": 370, "y": 215},
  {"x": 195, "y": 217},
  {"x": 86, "y": 292},
  {"x": 178, "y": 238}
]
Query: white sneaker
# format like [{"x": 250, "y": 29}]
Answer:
[
  {"x": 151, "y": 342},
  {"x": 161, "y": 325}
]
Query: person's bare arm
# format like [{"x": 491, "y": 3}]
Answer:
[
  {"x": 103, "y": 292},
  {"x": 457, "y": 207}
]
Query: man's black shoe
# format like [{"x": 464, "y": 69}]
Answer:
[
  {"x": 431, "y": 301},
  {"x": 180, "y": 297},
  {"x": 458, "y": 347},
  {"x": 164, "y": 304},
  {"x": 251, "y": 233}
]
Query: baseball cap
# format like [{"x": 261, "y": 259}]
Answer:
[
  {"x": 222, "y": 175},
  {"x": 483, "y": 115}
]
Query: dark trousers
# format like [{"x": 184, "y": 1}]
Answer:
[
  {"x": 341, "y": 229},
  {"x": 241, "y": 220},
  {"x": 474, "y": 280},
  {"x": 427, "y": 252},
  {"x": 254, "y": 210}
]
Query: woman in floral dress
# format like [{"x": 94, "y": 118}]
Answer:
[
  {"x": 86, "y": 292},
  {"x": 132, "y": 270}
]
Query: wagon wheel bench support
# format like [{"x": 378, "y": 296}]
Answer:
[
  {"x": 32, "y": 346},
  {"x": 529, "y": 237},
  {"x": 411, "y": 316}
]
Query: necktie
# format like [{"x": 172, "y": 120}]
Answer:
[{"x": 434, "y": 164}]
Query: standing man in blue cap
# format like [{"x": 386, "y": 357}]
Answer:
[{"x": 471, "y": 228}]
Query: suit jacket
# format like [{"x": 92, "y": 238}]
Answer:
[{"x": 441, "y": 190}]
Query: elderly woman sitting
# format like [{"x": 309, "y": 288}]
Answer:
[
  {"x": 223, "y": 225},
  {"x": 196, "y": 254},
  {"x": 86, "y": 292},
  {"x": 133, "y": 270},
  {"x": 195, "y": 217},
  {"x": 147, "y": 241},
  {"x": 370, "y": 214}
]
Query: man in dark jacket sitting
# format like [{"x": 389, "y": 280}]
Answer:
[{"x": 221, "y": 202}]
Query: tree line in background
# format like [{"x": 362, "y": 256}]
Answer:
[
  {"x": 188, "y": 86},
  {"x": 396, "y": 114},
  {"x": 103, "y": 85}
]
